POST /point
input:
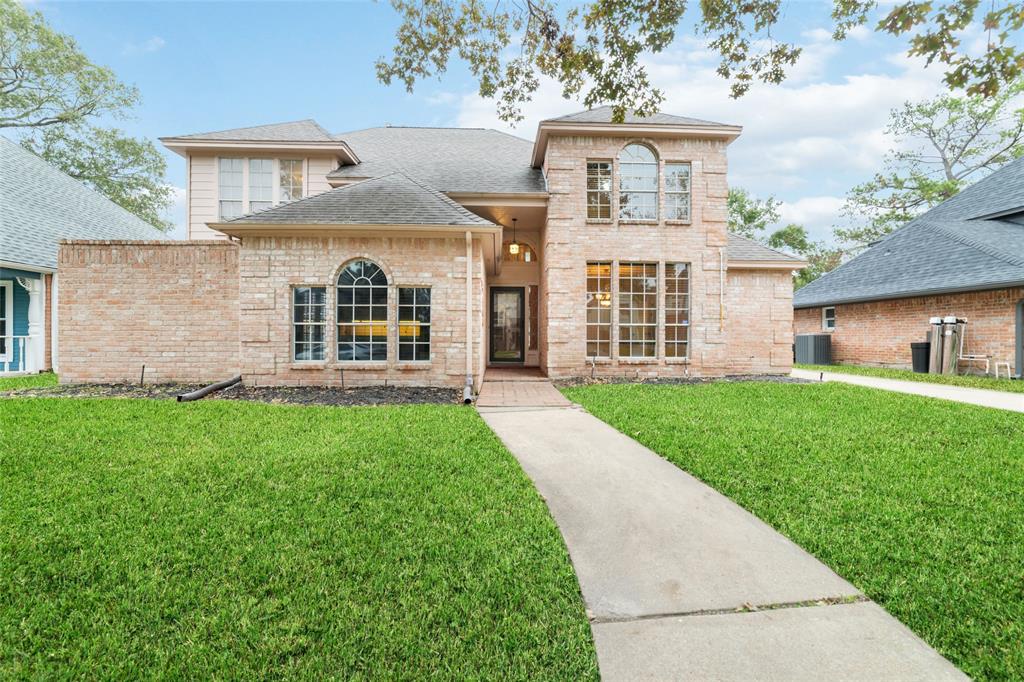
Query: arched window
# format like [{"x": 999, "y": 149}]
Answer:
[
  {"x": 638, "y": 183},
  {"x": 524, "y": 254},
  {"x": 362, "y": 312}
]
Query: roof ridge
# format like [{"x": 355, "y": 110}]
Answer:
[
  {"x": 251, "y": 127},
  {"x": 441, "y": 195},
  {"x": 764, "y": 246},
  {"x": 966, "y": 241}
]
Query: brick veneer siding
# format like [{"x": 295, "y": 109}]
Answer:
[
  {"x": 570, "y": 241},
  {"x": 171, "y": 306},
  {"x": 880, "y": 332},
  {"x": 271, "y": 266}
]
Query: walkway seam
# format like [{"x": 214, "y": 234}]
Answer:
[{"x": 745, "y": 608}]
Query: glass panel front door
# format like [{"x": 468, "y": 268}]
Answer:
[{"x": 507, "y": 324}]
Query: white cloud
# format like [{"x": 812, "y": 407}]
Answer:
[
  {"x": 151, "y": 45},
  {"x": 818, "y": 214}
]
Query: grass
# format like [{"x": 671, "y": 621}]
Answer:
[
  {"x": 27, "y": 381},
  {"x": 219, "y": 540},
  {"x": 917, "y": 502},
  {"x": 968, "y": 380}
]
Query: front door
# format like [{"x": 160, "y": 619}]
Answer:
[{"x": 508, "y": 324}]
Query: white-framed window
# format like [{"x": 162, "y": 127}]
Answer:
[
  {"x": 599, "y": 310},
  {"x": 309, "y": 323},
  {"x": 261, "y": 184},
  {"x": 828, "y": 318},
  {"x": 6, "y": 319},
  {"x": 677, "y": 191},
  {"x": 229, "y": 183},
  {"x": 413, "y": 324},
  {"x": 638, "y": 183},
  {"x": 638, "y": 310},
  {"x": 362, "y": 313},
  {"x": 599, "y": 190},
  {"x": 289, "y": 179},
  {"x": 677, "y": 310}
]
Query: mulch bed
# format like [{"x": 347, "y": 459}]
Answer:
[{"x": 298, "y": 395}]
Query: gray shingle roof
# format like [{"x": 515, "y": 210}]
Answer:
[
  {"x": 604, "y": 115},
  {"x": 743, "y": 249},
  {"x": 942, "y": 251},
  {"x": 393, "y": 199},
  {"x": 452, "y": 160},
  {"x": 306, "y": 130},
  {"x": 39, "y": 206}
]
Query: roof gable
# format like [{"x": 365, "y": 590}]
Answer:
[
  {"x": 998, "y": 193},
  {"x": 42, "y": 205},
  {"x": 306, "y": 130},
  {"x": 393, "y": 199},
  {"x": 743, "y": 249},
  {"x": 604, "y": 115}
]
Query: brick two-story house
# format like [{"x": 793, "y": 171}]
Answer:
[{"x": 426, "y": 255}]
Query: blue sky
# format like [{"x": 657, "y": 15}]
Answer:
[{"x": 209, "y": 66}]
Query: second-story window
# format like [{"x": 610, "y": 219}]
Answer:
[
  {"x": 229, "y": 180},
  {"x": 261, "y": 184},
  {"x": 599, "y": 190},
  {"x": 677, "y": 191},
  {"x": 290, "y": 179},
  {"x": 638, "y": 183}
]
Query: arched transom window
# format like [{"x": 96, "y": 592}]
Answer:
[
  {"x": 638, "y": 183},
  {"x": 524, "y": 254},
  {"x": 362, "y": 312}
]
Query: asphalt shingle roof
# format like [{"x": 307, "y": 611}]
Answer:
[
  {"x": 944, "y": 250},
  {"x": 40, "y": 205},
  {"x": 392, "y": 199},
  {"x": 604, "y": 115},
  {"x": 453, "y": 160},
  {"x": 306, "y": 130},
  {"x": 742, "y": 249}
]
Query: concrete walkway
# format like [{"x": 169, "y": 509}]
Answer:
[
  {"x": 681, "y": 583},
  {"x": 1001, "y": 400}
]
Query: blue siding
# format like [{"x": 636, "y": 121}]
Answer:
[{"x": 20, "y": 315}]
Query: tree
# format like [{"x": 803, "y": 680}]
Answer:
[
  {"x": 597, "y": 48},
  {"x": 939, "y": 147},
  {"x": 51, "y": 93},
  {"x": 820, "y": 257},
  {"x": 750, "y": 216}
]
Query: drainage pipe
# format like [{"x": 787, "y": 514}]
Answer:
[
  {"x": 207, "y": 390},
  {"x": 721, "y": 288},
  {"x": 467, "y": 391}
]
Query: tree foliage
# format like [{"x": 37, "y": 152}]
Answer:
[
  {"x": 749, "y": 216},
  {"x": 939, "y": 147},
  {"x": 595, "y": 49},
  {"x": 51, "y": 94}
]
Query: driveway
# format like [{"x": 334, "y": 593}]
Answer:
[{"x": 681, "y": 583}]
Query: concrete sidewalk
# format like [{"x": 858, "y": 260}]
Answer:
[
  {"x": 1001, "y": 400},
  {"x": 671, "y": 571}
]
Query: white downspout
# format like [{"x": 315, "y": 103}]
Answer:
[
  {"x": 467, "y": 391},
  {"x": 721, "y": 288}
]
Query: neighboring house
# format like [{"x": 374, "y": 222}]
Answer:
[
  {"x": 963, "y": 258},
  {"x": 425, "y": 255},
  {"x": 39, "y": 206}
]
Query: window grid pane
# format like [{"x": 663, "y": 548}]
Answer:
[
  {"x": 638, "y": 310},
  {"x": 362, "y": 313},
  {"x": 290, "y": 179},
  {"x": 414, "y": 324},
  {"x": 638, "y": 183},
  {"x": 677, "y": 310},
  {"x": 599, "y": 310},
  {"x": 599, "y": 190},
  {"x": 229, "y": 181},
  {"x": 677, "y": 191},
  {"x": 309, "y": 323},
  {"x": 261, "y": 184}
]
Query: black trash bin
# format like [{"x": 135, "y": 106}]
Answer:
[{"x": 919, "y": 353}]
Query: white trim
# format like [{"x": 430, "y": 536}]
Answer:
[
  {"x": 8, "y": 304},
  {"x": 824, "y": 320},
  {"x": 53, "y": 323}
]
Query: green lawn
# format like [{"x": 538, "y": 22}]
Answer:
[
  {"x": 27, "y": 381},
  {"x": 150, "y": 539},
  {"x": 917, "y": 502},
  {"x": 969, "y": 380}
]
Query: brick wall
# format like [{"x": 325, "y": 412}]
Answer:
[
  {"x": 570, "y": 241},
  {"x": 760, "y": 321},
  {"x": 171, "y": 306},
  {"x": 880, "y": 332},
  {"x": 271, "y": 266}
]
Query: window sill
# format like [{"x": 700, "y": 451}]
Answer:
[
  {"x": 677, "y": 361},
  {"x": 599, "y": 221},
  {"x": 373, "y": 364},
  {"x": 639, "y": 222},
  {"x": 309, "y": 365},
  {"x": 599, "y": 361},
  {"x": 638, "y": 361},
  {"x": 414, "y": 365},
  {"x": 679, "y": 222}
]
